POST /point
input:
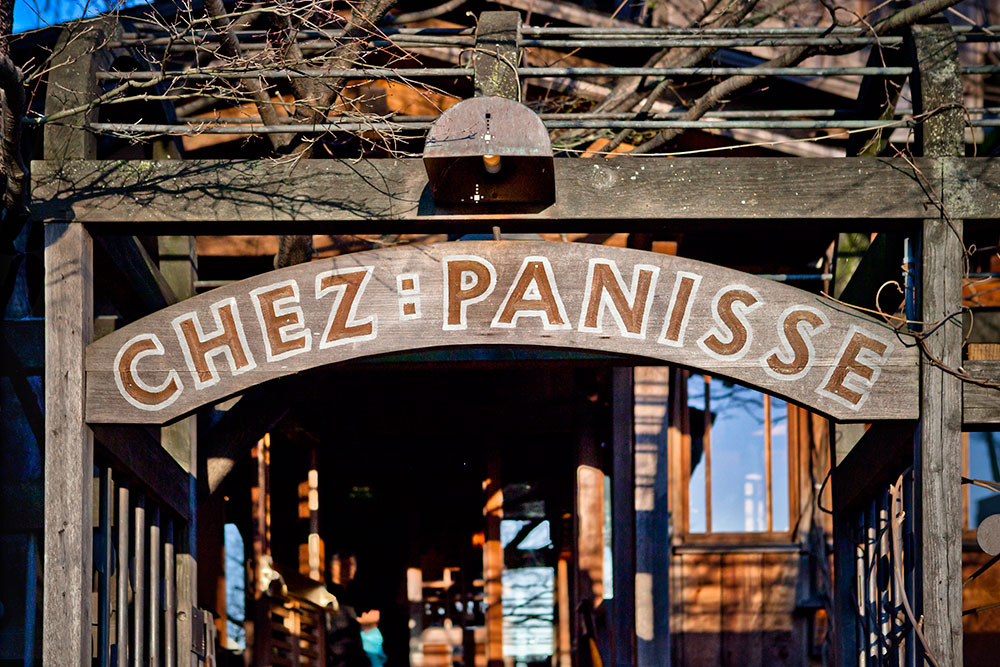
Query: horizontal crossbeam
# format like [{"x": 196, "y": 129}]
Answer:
[{"x": 620, "y": 194}]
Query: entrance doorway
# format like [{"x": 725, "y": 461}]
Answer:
[{"x": 460, "y": 514}]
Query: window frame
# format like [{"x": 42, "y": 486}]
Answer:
[{"x": 679, "y": 462}]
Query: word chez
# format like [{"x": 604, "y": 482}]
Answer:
[{"x": 673, "y": 318}]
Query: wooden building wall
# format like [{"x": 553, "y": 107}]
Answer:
[
  {"x": 743, "y": 598},
  {"x": 735, "y": 608}
]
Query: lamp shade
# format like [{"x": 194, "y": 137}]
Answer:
[{"x": 488, "y": 150}]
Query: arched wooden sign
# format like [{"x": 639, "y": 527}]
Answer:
[{"x": 585, "y": 297}]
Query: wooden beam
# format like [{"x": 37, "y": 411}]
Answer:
[
  {"x": 375, "y": 196},
  {"x": 137, "y": 450},
  {"x": 240, "y": 427},
  {"x": 884, "y": 451},
  {"x": 880, "y": 264},
  {"x": 130, "y": 276},
  {"x": 877, "y": 98},
  {"x": 937, "y": 87},
  {"x": 981, "y": 405}
]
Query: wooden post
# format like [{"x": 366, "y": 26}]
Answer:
[
  {"x": 589, "y": 530},
  {"x": 652, "y": 516},
  {"x": 496, "y": 57},
  {"x": 178, "y": 265},
  {"x": 937, "y": 87},
  {"x": 69, "y": 328},
  {"x": 69, "y": 446},
  {"x": 623, "y": 531}
]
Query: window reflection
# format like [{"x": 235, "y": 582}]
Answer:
[{"x": 730, "y": 449}]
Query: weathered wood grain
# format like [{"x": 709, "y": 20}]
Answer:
[
  {"x": 396, "y": 298},
  {"x": 69, "y": 327},
  {"x": 69, "y": 446},
  {"x": 981, "y": 405},
  {"x": 497, "y": 56},
  {"x": 375, "y": 196},
  {"x": 937, "y": 88}
]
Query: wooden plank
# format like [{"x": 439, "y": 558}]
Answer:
[
  {"x": 72, "y": 83},
  {"x": 783, "y": 637},
  {"x": 877, "y": 98},
  {"x": 981, "y": 405},
  {"x": 253, "y": 415},
  {"x": 138, "y": 452},
  {"x": 742, "y": 602},
  {"x": 69, "y": 447},
  {"x": 701, "y": 613},
  {"x": 613, "y": 300},
  {"x": 374, "y": 196},
  {"x": 937, "y": 86}
]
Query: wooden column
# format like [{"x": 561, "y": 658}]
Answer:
[
  {"x": 69, "y": 446},
  {"x": 69, "y": 328},
  {"x": 623, "y": 513},
  {"x": 589, "y": 530},
  {"x": 938, "y": 447},
  {"x": 652, "y": 539},
  {"x": 496, "y": 57},
  {"x": 178, "y": 265}
]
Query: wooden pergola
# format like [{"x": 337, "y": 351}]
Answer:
[{"x": 87, "y": 203}]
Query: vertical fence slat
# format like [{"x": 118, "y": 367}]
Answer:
[
  {"x": 121, "y": 612},
  {"x": 859, "y": 565},
  {"x": 169, "y": 598},
  {"x": 105, "y": 495},
  {"x": 154, "y": 585},
  {"x": 885, "y": 574},
  {"x": 139, "y": 574}
]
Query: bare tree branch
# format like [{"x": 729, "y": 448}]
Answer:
[{"x": 793, "y": 56}]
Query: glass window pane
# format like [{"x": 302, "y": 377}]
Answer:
[
  {"x": 738, "y": 497},
  {"x": 984, "y": 463},
  {"x": 235, "y": 596},
  {"x": 779, "y": 465},
  {"x": 696, "y": 483}
]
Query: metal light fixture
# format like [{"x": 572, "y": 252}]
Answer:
[{"x": 487, "y": 150}]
